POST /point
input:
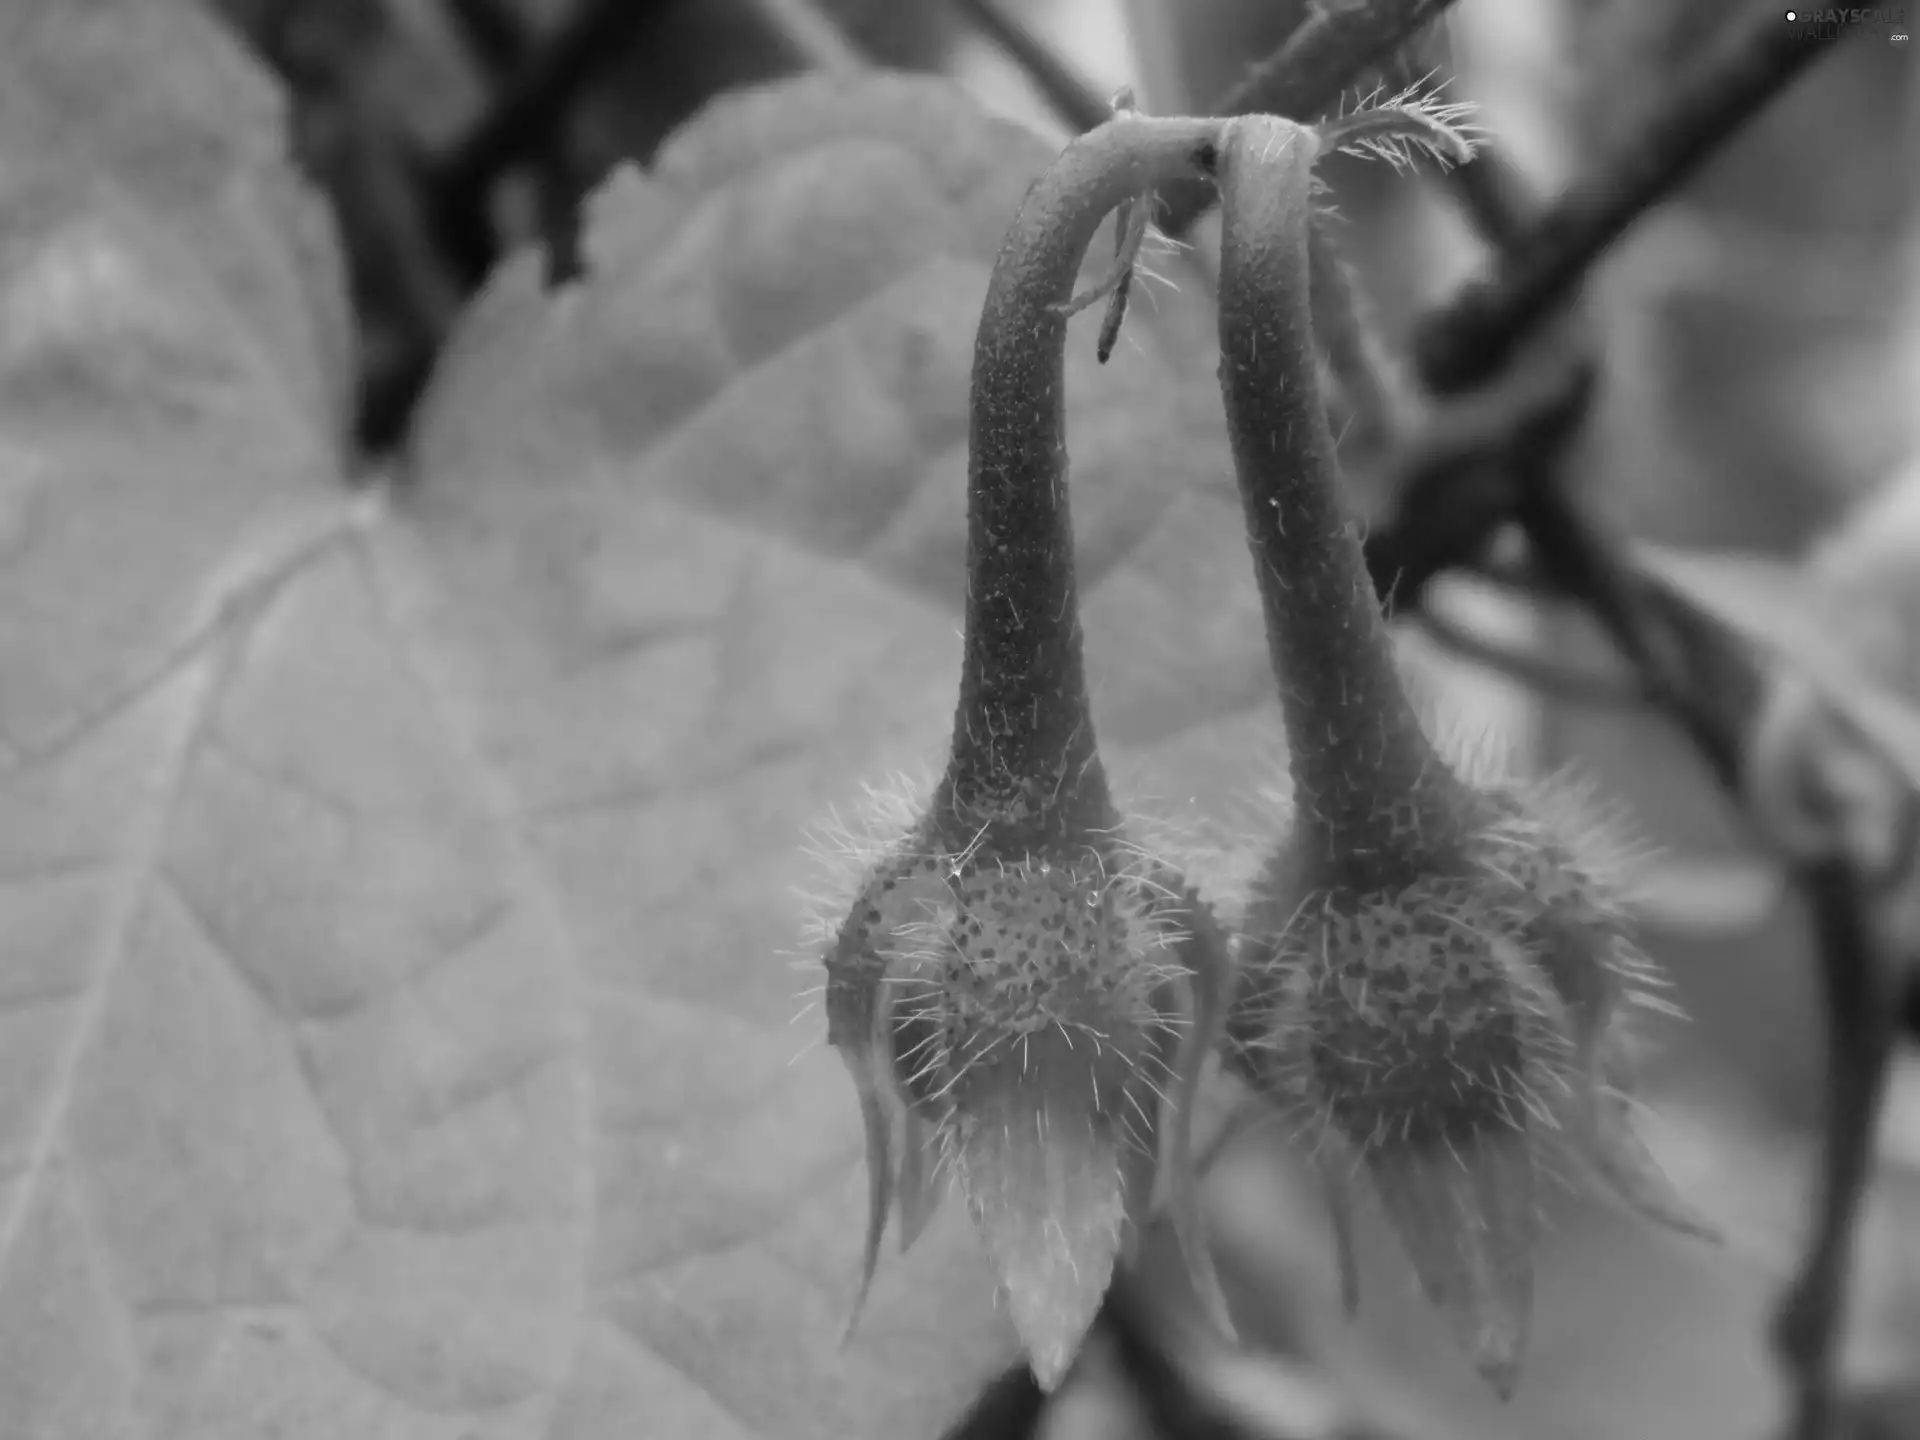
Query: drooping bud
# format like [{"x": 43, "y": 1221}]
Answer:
[
  {"x": 1016, "y": 978},
  {"x": 1435, "y": 983},
  {"x": 1019, "y": 1024}
]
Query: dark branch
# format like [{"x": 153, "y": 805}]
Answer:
[
  {"x": 1457, "y": 479},
  {"x": 1753, "y": 61}
]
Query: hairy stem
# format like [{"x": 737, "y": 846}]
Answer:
[
  {"x": 1352, "y": 734},
  {"x": 1023, "y": 745}
]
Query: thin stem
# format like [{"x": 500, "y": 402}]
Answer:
[
  {"x": 1353, "y": 736},
  {"x": 1023, "y": 719},
  {"x": 1456, "y": 476},
  {"x": 1757, "y": 57},
  {"x": 1862, "y": 995}
]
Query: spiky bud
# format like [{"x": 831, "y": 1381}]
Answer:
[
  {"x": 1435, "y": 982},
  {"x": 1016, "y": 983},
  {"x": 1023, "y": 1015}
]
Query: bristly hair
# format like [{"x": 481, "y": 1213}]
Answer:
[{"x": 1398, "y": 129}]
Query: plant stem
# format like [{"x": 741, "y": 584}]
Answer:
[
  {"x": 1862, "y": 1025},
  {"x": 1352, "y": 733},
  {"x": 1754, "y": 60},
  {"x": 1023, "y": 745}
]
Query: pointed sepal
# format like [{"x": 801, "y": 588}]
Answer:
[
  {"x": 1048, "y": 1189},
  {"x": 1464, "y": 1211}
]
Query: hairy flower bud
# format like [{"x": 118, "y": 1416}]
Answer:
[
  {"x": 1015, "y": 978},
  {"x": 1021, "y": 1015},
  {"x": 1458, "y": 1038},
  {"x": 1433, "y": 980}
]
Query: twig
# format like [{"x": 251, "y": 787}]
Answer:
[
  {"x": 1862, "y": 1022},
  {"x": 1329, "y": 51},
  {"x": 1572, "y": 551},
  {"x": 1754, "y": 60},
  {"x": 1456, "y": 479},
  {"x": 1073, "y": 98}
]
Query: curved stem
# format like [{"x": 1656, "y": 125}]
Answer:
[
  {"x": 1366, "y": 778},
  {"x": 1023, "y": 746}
]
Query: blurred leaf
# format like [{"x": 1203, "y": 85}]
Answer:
[
  {"x": 154, "y": 111},
  {"x": 1765, "y": 602},
  {"x": 399, "y": 1039}
]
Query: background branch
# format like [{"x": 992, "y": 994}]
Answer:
[{"x": 1758, "y": 55}]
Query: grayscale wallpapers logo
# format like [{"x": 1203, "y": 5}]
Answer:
[{"x": 1824, "y": 23}]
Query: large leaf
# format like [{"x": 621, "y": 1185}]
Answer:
[{"x": 394, "y": 886}]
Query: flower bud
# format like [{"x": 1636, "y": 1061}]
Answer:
[
  {"x": 1026, "y": 1012},
  {"x": 1435, "y": 980}
]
